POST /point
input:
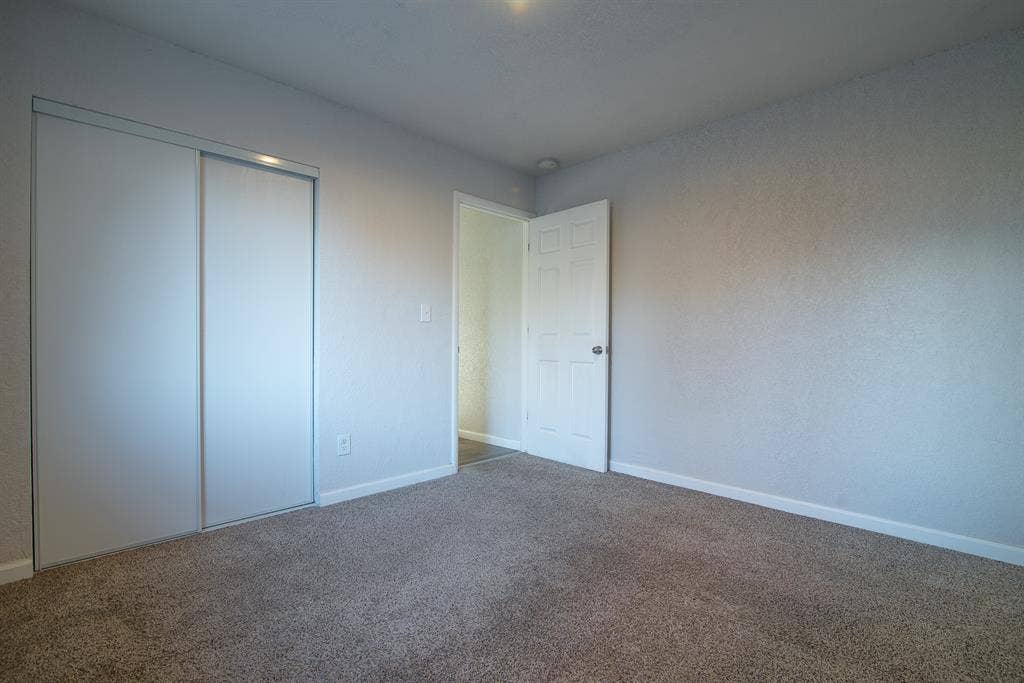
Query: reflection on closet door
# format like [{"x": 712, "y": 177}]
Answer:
[
  {"x": 115, "y": 352},
  {"x": 257, "y": 329}
]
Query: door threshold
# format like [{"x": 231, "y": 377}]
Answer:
[{"x": 483, "y": 461}]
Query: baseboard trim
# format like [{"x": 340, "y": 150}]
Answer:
[
  {"x": 381, "y": 485},
  {"x": 15, "y": 571},
  {"x": 943, "y": 539},
  {"x": 489, "y": 439}
]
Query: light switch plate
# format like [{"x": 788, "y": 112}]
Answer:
[
  {"x": 344, "y": 444},
  {"x": 424, "y": 313}
]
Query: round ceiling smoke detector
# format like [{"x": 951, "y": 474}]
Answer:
[{"x": 548, "y": 164}]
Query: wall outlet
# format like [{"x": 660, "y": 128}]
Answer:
[
  {"x": 424, "y": 313},
  {"x": 344, "y": 444}
]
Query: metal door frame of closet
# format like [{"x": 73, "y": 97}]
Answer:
[{"x": 201, "y": 146}]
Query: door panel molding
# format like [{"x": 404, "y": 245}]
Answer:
[{"x": 567, "y": 305}]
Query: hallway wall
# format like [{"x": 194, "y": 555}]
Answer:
[{"x": 490, "y": 324}]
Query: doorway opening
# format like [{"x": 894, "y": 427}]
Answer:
[
  {"x": 489, "y": 330},
  {"x": 530, "y": 363}
]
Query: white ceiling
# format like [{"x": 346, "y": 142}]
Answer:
[{"x": 517, "y": 80}]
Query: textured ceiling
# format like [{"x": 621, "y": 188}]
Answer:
[{"x": 517, "y": 80}]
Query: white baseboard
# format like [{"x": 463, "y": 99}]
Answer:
[
  {"x": 943, "y": 539},
  {"x": 369, "y": 488},
  {"x": 15, "y": 571},
  {"x": 488, "y": 439}
]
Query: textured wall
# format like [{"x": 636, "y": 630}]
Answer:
[
  {"x": 824, "y": 299},
  {"x": 384, "y": 234},
  {"x": 490, "y": 324}
]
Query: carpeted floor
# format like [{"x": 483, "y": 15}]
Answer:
[{"x": 522, "y": 569}]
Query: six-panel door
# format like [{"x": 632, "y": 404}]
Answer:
[{"x": 567, "y": 381}]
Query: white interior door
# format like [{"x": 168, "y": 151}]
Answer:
[
  {"x": 115, "y": 341},
  {"x": 258, "y": 340},
  {"x": 567, "y": 374}
]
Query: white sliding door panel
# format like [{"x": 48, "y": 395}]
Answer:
[
  {"x": 567, "y": 375},
  {"x": 115, "y": 358},
  {"x": 258, "y": 346}
]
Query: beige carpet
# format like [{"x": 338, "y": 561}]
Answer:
[{"x": 522, "y": 569}]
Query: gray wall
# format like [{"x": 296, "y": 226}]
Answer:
[
  {"x": 490, "y": 324},
  {"x": 824, "y": 299},
  {"x": 384, "y": 235}
]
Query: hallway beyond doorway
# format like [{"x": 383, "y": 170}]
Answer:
[{"x": 473, "y": 452}]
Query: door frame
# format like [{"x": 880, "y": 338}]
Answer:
[{"x": 459, "y": 200}]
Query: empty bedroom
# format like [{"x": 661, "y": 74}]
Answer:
[{"x": 523, "y": 340}]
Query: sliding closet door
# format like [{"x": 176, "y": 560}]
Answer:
[
  {"x": 115, "y": 346},
  {"x": 258, "y": 345}
]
